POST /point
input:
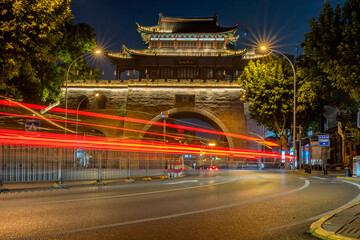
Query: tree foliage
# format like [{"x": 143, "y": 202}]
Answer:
[
  {"x": 268, "y": 85},
  {"x": 29, "y": 32},
  {"x": 329, "y": 69},
  {"x": 77, "y": 39},
  {"x": 37, "y": 43},
  {"x": 345, "y": 68}
]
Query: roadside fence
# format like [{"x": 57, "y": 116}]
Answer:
[{"x": 21, "y": 163}]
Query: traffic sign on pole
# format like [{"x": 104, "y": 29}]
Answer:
[
  {"x": 324, "y": 140},
  {"x": 32, "y": 125}
]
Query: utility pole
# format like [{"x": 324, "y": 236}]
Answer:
[
  {"x": 164, "y": 115},
  {"x": 300, "y": 148}
]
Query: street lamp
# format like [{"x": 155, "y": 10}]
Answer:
[
  {"x": 77, "y": 112},
  {"x": 262, "y": 144},
  {"x": 164, "y": 115},
  {"x": 212, "y": 145},
  {"x": 67, "y": 79},
  {"x": 294, "y": 114},
  {"x": 59, "y": 184}
]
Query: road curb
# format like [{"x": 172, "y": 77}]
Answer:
[
  {"x": 350, "y": 178},
  {"x": 2, "y": 188},
  {"x": 147, "y": 179},
  {"x": 317, "y": 230}
]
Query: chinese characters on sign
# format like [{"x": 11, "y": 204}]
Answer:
[{"x": 324, "y": 140}]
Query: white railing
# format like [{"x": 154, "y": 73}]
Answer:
[{"x": 21, "y": 163}]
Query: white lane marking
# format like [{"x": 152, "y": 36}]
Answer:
[
  {"x": 187, "y": 181},
  {"x": 321, "y": 178},
  {"x": 355, "y": 200},
  {"x": 302, "y": 178},
  {"x": 307, "y": 183},
  {"x": 326, "y": 182},
  {"x": 120, "y": 195}
]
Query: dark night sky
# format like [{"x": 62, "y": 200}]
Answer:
[{"x": 114, "y": 20}]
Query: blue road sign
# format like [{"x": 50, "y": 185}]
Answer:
[
  {"x": 324, "y": 140},
  {"x": 32, "y": 125}
]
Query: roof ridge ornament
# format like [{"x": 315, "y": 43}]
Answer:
[{"x": 161, "y": 15}]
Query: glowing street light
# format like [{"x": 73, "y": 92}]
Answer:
[
  {"x": 59, "y": 184},
  {"x": 212, "y": 145},
  {"x": 263, "y": 48},
  {"x": 98, "y": 51}
]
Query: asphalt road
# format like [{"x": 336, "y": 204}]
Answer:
[{"x": 238, "y": 204}]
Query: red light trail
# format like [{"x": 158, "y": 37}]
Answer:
[
  {"x": 52, "y": 140},
  {"x": 92, "y": 124},
  {"x": 135, "y": 120}
]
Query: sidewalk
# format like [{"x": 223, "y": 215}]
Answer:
[
  {"x": 36, "y": 186},
  {"x": 330, "y": 173},
  {"x": 343, "y": 224}
]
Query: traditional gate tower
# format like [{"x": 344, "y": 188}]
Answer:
[
  {"x": 189, "y": 70},
  {"x": 183, "y": 48}
]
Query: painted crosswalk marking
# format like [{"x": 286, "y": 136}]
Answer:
[
  {"x": 187, "y": 181},
  {"x": 320, "y": 178}
]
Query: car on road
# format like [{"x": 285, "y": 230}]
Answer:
[{"x": 213, "y": 168}]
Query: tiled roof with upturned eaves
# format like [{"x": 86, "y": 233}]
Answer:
[
  {"x": 181, "y": 26},
  {"x": 187, "y": 25},
  {"x": 127, "y": 53}
]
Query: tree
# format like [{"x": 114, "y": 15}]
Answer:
[
  {"x": 329, "y": 69},
  {"x": 38, "y": 42},
  {"x": 77, "y": 39},
  {"x": 314, "y": 91},
  {"x": 268, "y": 85},
  {"x": 29, "y": 32},
  {"x": 345, "y": 68}
]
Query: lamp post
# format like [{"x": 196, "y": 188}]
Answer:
[
  {"x": 263, "y": 138},
  {"x": 164, "y": 115},
  {"x": 59, "y": 184},
  {"x": 77, "y": 112},
  {"x": 294, "y": 112},
  {"x": 67, "y": 79},
  {"x": 212, "y": 145}
]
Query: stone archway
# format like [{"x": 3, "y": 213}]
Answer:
[
  {"x": 83, "y": 102},
  {"x": 101, "y": 101},
  {"x": 197, "y": 111}
]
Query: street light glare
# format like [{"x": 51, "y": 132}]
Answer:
[
  {"x": 98, "y": 51},
  {"x": 263, "y": 48}
]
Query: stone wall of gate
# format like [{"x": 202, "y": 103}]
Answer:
[{"x": 217, "y": 101}]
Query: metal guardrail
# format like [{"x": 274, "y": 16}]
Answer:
[{"x": 21, "y": 163}]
